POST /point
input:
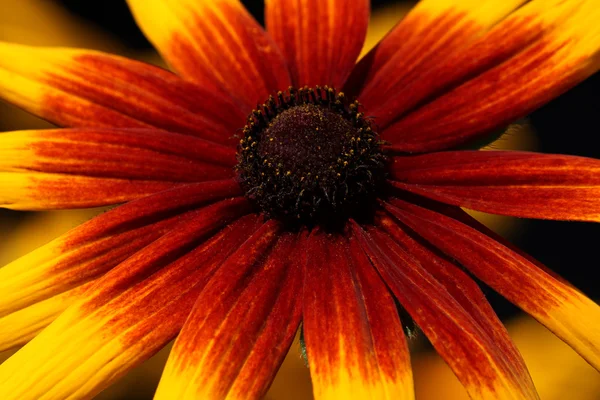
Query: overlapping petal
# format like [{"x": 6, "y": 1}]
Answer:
[
  {"x": 42, "y": 283},
  {"x": 215, "y": 41},
  {"x": 129, "y": 313},
  {"x": 521, "y": 184},
  {"x": 242, "y": 324},
  {"x": 83, "y": 88},
  {"x": 539, "y": 52},
  {"x": 561, "y": 308},
  {"x": 355, "y": 344},
  {"x": 477, "y": 360},
  {"x": 321, "y": 39}
]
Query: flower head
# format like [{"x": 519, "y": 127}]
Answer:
[{"x": 274, "y": 182}]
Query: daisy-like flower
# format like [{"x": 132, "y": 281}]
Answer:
[{"x": 331, "y": 204}]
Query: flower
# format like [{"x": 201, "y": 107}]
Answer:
[{"x": 240, "y": 221}]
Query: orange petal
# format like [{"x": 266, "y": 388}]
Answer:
[
  {"x": 128, "y": 314},
  {"x": 536, "y": 54},
  {"x": 513, "y": 183},
  {"x": 215, "y": 41},
  {"x": 82, "y": 88},
  {"x": 354, "y": 340},
  {"x": 561, "y": 308},
  {"x": 242, "y": 325},
  {"x": 431, "y": 33},
  {"x": 321, "y": 39},
  {"x": 482, "y": 366}
]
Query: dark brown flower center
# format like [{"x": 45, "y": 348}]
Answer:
[{"x": 309, "y": 156}]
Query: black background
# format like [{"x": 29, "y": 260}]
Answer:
[{"x": 568, "y": 125}]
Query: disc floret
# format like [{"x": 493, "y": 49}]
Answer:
[{"x": 308, "y": 155}]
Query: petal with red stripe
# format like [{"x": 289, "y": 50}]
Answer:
[
  {"x": 561, "y": 308},
  {"x": 354, "y": 340},
  {"x": 541, "y": 51},
  {"x": 84, "y": 88},
  {"x": 242, "y": 325},
  {"x": 215, "y": 41},
  {"x": 481, "y": 365},
  {"x": 128, "y": 314},
  {"x": 321, "y": 39},
  {"x": 513, "y": 183}
]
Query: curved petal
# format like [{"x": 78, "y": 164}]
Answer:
[
  {"x": 83, "y": 88},
  {"x": 89, "y": 251},
  {"x": 478, "y": 362},
  {"x": 321, "y": 39},
  {"x": 513, "y": 183},
  {"x": 355, "y": 344},
  {"x": 210, "y": 41},
  {"x": 561, "y": 308},
  {"x": 122, "y": 154},
  {"x": 432, "y": 32},
  {"x": 128, "y": 314},
  {"x": 458, "y": 285},
  {"x": 242, "y": 325},
  {"x": 557, "y": 46}
]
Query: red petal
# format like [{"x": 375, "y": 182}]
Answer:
[
  {"x": 564, "y": 310},
  {"x": 480, "y": 364},
  {"x": 321, "y": 39},
  {"x": 242, "y": 325},
  {"x": 82, "y": 88},
  {"x": 354, "y": 339},
  {"x": 506, "y": 182},
  {"x": 215, "y": 42}
]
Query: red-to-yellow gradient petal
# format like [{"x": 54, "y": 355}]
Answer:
[
  {"x": 84, "y": 88},
  {"x": 215, "y": 42},
  {"x": 355, "y": 345},
  {"x": 129, "y": 313},
  {"x": 536, "y": 54},
  {"x": 520, "y": 184},
  {"x": 433, "y": 31},
  {"x": 561, "y": 308},
  {"x": 481, "y": 364},
  {"x": 121, "y": 154},
  {"x": 321, "y": 39},
  {"x": 242, "y": 325},
  {"x": 42, "y": 283}
]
